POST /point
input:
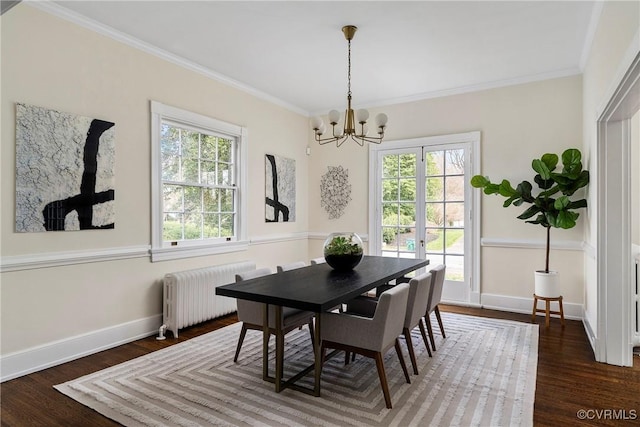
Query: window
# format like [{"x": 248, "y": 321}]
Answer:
[{"x": 198, "y": 184}]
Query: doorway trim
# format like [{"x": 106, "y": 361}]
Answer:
[{"x": 614, "y": 310}]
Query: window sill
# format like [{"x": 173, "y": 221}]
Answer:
[{"x": 167, "y": 254}]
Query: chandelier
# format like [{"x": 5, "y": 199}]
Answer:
[{"x": 359, "y": 133}]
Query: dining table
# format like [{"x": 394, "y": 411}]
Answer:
[{"x": 315, "y": 288}]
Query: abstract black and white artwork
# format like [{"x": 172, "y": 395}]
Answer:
[
  {"x": 64, "y": 171},
  {"x": 335, "y": 191},
  {"x": 280, "y": 189}
]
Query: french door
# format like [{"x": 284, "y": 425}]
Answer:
[{"x": 422, "y": 207}]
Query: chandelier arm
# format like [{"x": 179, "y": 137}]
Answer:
[{"x": 369, "y": 139}]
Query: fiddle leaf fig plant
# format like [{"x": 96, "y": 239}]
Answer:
[{"x": 551, "y": 204}]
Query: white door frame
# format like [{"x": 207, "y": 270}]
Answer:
[
  {"x": 473, "y": 138},
  {"x": 614, "y": 310}
]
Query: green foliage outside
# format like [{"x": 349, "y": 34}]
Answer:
[{"x": 453, "y": 235}]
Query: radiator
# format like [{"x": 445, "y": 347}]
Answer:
[
  {"x": 636, "y": 300},
  {"x": 189, "y": 296}
]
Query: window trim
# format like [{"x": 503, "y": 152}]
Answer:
[{"x": 186, "y": 249}]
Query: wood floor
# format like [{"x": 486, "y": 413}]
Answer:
[{"x": 569, "y": 381}]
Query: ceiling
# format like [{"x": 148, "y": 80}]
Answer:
[{"x": 294, "y": 53}]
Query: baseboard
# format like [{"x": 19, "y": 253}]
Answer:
[
  {"x": 525, "y": 305},
  {"x": 589, "y": 331},
  {"x": 24, "y": 362}
]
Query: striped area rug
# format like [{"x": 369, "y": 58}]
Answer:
[{"x": 482, "y": 374}]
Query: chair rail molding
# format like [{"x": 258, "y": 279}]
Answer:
[
  {"x": 567, "y": 245},
  {"x": 57, "y": 259}
]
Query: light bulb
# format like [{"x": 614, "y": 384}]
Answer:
[
  {"x": 316, "y": 122},
  {"x": 334, "y": 116},
  {"x": 362, "y": 115},
  {"x": 322, "y": 128},
  {"x": 381, "y": 120}
]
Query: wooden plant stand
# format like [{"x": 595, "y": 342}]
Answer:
[{"x": 547, "y": 310}]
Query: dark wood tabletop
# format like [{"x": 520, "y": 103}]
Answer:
[{"x": 318, "y": 287}]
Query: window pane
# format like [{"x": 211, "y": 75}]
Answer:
[
  {"x": 207, "y": 172},
  {"x": 435, "y": 214},
  {"x": 171, "y": 168},
  {"x": 226, "y": 225},
  {"x": 407, "y": 165},
  {"x": 192, "y": 200},
  {"x": 210, "y": 199},
  {"x": 190, "y": 170},
  {"x": 224, "y": 150},
  {"x": 434, "y": 189},
  {"x": 172, "y": 227},
  {"x": 455, "y": 214},
  {"x": 211, "y": 225},
  {"x": 192, "y": 226},
  {"x": 190, "y": 144},
  {"x": 172, "y": 198},
  {"x": 454, "y": 188},
  {"x": 226, "y": 200},
  {"x": 208, "y": 147},
  {"x": 390, "y": 166},
  {"x": 407, "y": 189},
  {"x": 455, "y": 162},
  {"x": 390, "y": 214},
  {"x": 434, "y": 163},
  {"x": 389, "y": 190},
  {"x": 389, "y": 238},
  {"x": 224, "y": 174},
  {"x": 434, "y": 260},
  {"x": 407, "y": 239},
  {"x": 407, "y": 213},
  {"x": 454, "y": 241},
  {"x": 455, "y": 268},
  {"x": 435, "y": 240}
]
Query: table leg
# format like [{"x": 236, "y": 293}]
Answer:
[
  {"x": 279, "y": 348},
  {"x": 318, "y": 356},
  {"x": 265, "y": 343}
]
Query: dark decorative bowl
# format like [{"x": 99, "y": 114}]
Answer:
[{"x": 343, "y": 251}]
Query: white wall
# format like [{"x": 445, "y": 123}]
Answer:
[
  {"x": 55, "y": 64},
  {"x": 619, "y": 23},
  {"x": 517, "y": 124}
]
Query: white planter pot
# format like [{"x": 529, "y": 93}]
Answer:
[{"x": 546, "y": 284}]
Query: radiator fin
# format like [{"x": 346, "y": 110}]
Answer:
[{"x": 190, "y": 295}]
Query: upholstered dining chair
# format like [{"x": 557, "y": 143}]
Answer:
[
  {"x": 437, "y": 283},
  {"x": 419, "y": 290},
  {"x": 250, "y": 313},
  {"x": 320, "y": 260},
  {"x": 370, "y": 337},
  {"x": 290, "y": 266}
]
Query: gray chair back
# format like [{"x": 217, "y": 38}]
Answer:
[
  {"x": 251, "y": 311},
  {"x": 390, "y": 314},
  {"x": 290, "y": 266},
  {"x": 419, "y": 290},
  {"x": 437, "y": 282}
]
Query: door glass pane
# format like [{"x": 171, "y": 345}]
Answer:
[
  {"x": 454, "y": 241},
  {"x": 407, "y": 189},
  {"x": 454, "y": 188},
  {"x": 435, "y": 163},
  {"x": 390, "y": 166},
  {"x": 407, "y": 165},
  {"x": 435, "y": 240},
  {"x": 455, "y": 268},
  {"x": 435, "y": 214},
  {"x": 390, "y": 214},
  {"x": 435, "y": 189},
  {"x": 389, "y": 190},
  {"x": 455, "y": 214},
  {"x": 455, "y": 162}
]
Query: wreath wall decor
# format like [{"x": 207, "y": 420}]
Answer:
[{"x": 335, "y": 191}]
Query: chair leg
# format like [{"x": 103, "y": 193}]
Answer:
[
  {"x": 427, "y": 319},
  {"x": 243, "y": 332},
  {"x": 424, "y": 337},
  {"x": 437, "y": 310},
  {"x": 401, "y": 357},
  {"x": 346, "y": 357},
  {"x": 383, "y": 379},
  {"x": 412, "y": 355}
]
